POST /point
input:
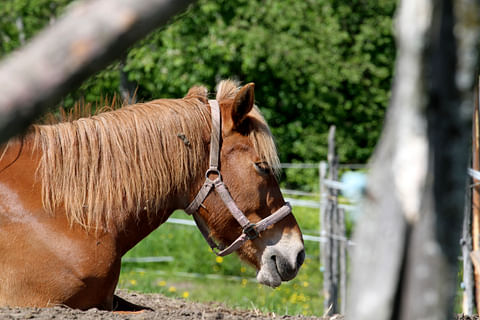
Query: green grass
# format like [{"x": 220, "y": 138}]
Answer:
[{"x": 191, "y": 274}]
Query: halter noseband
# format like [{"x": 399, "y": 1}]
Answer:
[{"x": 250, "y": 230}]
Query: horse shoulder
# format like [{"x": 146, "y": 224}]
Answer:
[{"x": 43, "y": 259}]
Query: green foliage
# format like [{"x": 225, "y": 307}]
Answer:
[
  {"x": 315, "y": 63},
  {"x": 22, "y": 19}
]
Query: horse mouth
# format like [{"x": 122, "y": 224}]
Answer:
[
  {"x": 276, "y": 268},
  {"x": 268, "y": 274}
]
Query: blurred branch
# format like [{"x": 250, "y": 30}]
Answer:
[{"x": 88, "y": 37}]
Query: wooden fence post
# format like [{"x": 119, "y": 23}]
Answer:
[
  {"x": 322, "y": 172},
  {"x": 475, "y": 194},
  {"x": 343, "y": 260},
  {"x": 329, "y": 248},
  {"x": 466, "y": 243}
]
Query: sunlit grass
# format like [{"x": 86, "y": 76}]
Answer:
[{"x": 299, "y": 296}]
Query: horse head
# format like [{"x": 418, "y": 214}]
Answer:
[{"x": 241, "y": 191}]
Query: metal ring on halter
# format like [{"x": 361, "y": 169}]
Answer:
[
  {"x": 210, "y": 171},
  {"x": 251, "y": 231}
]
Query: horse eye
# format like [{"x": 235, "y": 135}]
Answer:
[{"x": 262, "y": 167}]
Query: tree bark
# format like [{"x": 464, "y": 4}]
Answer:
[
  {"x": 475, "y": 192},
  {"x": 468, "y": 302},
  {"x": 85, "y": 40},
  {"x": 405, "y": 264}
]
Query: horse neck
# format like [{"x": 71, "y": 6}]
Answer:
[{"x": 136, "y": 226}]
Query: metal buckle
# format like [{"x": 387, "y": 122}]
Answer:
[
  {"x": 213, "y": 170},
  {"x": 251, "y": 231}
]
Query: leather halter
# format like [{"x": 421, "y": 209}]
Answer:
[{"x": 250, "y": 230}]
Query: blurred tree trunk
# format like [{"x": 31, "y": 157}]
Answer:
[
  {"x": 85, "y": 40},
  {"x": 405, "y": 264}
]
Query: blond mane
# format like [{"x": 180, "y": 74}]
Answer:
[{"x": 133, "y": 158}]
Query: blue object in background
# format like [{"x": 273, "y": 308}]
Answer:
[{"x": 354, "y": 184}]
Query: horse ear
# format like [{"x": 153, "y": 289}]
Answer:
[{"x": 243, "y": 104}]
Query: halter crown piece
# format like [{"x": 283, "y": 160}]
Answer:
[{"x": 250, "y": 230}]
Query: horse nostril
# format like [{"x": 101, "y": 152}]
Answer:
[{"x": 300, "y": 258}]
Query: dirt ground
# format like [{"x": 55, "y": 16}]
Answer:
[{"x": 163, "y": 308}]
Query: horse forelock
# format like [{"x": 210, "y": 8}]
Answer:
[
  {"x": 132, "y": 159},
  {"x": 258, "y": 130},
  {"x": 263, "y": 140}
]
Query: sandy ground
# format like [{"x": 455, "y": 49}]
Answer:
[{"x": 163, "y": 308}]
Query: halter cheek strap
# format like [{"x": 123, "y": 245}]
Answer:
[{"x": 250, "y": 230}]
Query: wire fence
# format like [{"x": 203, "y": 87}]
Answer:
[
  {"x": 343, "y": 166},
  {"x": 306, "y": 237}
]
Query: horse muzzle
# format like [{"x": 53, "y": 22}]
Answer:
[{"x": 281, "y": 262}]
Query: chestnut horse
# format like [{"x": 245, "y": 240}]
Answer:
[{"x": 76, "y": 196}]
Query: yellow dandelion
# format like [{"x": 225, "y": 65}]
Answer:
[
  {"x": 305, "y": 284},
  {"x": 185, "y": 294},
  {"x": 244, "y": 282},
  {"x": 161, "y": 283},
  {"x": 172, "y": 289},
  {"x": 293, "y": 298},
  {"x": 133, "y": 282},
  {"x": 243, "y": 269},
  {"x": 219, "y": 259}
]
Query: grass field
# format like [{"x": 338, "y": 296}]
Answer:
[{"x": 195, "y": 273}]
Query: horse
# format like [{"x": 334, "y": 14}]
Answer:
[{"x": 77, "y": 195}]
